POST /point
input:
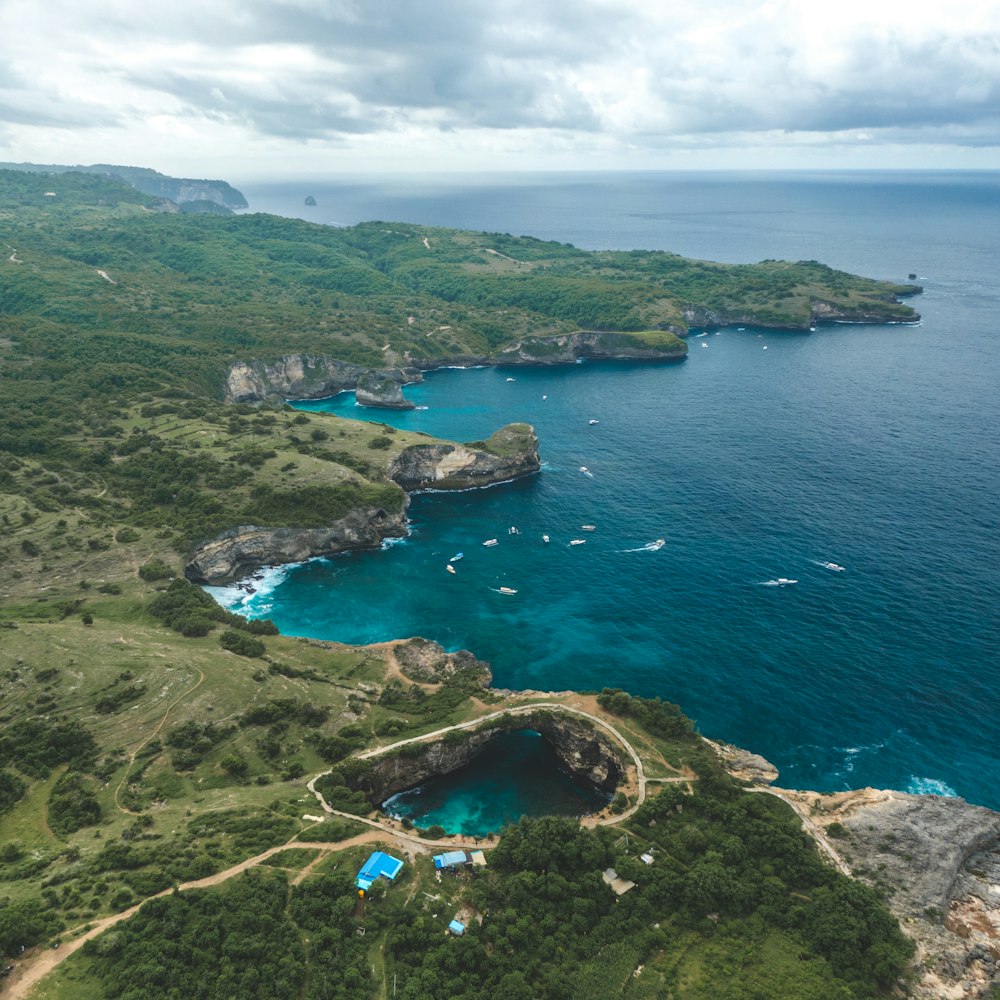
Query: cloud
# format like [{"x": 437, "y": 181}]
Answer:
[{"x": 624, "y": 75}]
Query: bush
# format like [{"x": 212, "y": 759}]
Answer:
[
  {"x": 155, "y": 569},
  {"x": 241, "y": 643}
]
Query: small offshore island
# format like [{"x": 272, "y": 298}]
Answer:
[{"x": 152, "y": 742}]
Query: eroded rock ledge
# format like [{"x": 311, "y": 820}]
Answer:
[
  {"x": 580, "y": 747},
  {"x": 508, "y": 454},
  {"x": 313, "y": 376},
  {"x": 595, "y": 345},
  {"x": 239, "y": 551}
]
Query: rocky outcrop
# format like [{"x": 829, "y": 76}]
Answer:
[
  {"x": 586, "y": 753},
  {"x": 568, "y": 348},
  {"x": 427, "y": 662},
  {"x": 239, "y": 551},
  {"x": 381, "y": 389},
  {"x": 307, "y": 376},
  {"x": 938, "y": 860},
  {"x": 508, "y": 454},
  {"x": 744, "y": 765}
]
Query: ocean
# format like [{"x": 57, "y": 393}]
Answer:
[{"x": 875, "y": 449}]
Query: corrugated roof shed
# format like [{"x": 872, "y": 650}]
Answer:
[
  {"x": 378, "y": 864},
  {"x": 451, "y": 858},
  {"x": 456, "y": 928}
]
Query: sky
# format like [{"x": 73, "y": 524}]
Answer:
[{"x": 289, "y": 89}]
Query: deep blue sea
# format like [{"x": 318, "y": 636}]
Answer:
[{"x": 874, "y": 448}]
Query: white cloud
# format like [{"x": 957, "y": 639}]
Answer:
[{"x": 495, "y": 83}]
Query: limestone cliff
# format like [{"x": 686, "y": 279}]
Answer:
[
  {"x": 569, "y": 348},
  {"x": 239, "y": 551},
  {"x": 508, "y": 454},
  {"x": 381, "y": 389},
  {"x": 936, "y": 859},
  {"x": 307, "y": 376},
  {"x": 581, "y": 749}
]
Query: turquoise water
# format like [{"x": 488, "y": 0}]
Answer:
[
  {"x": 517, "y": 775},
  {"x": 872, "y": 448}
]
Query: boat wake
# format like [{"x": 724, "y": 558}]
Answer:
[
  {"x": 829, "y": 565},
  {"x": 780, "y": 582},
  {"x": 649, "y": 547}
]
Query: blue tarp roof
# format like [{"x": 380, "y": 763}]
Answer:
[
  {"x": 450, "y": 858},
  {"x": 456, "y": 928},
  {"x": 378, "y": 864}
]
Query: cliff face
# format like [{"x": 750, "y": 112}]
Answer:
[
  {"x": 239, "y": 551},
  {"x": 886, "y": 310},
  {"x": 510, "y": 453},
  {"x": 310, "y": 376},
  {"x": 568, "y": 348},
  {"x": 383, "y": 390},
  {"x": 583, "y": 751}
]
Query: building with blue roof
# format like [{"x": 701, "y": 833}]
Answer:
[
  {"x": 378, "y": 864},
  {"x": 456, "y": 928}
]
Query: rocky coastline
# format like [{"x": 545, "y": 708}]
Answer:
[
  {"x": 936, "y": 860},
  {"x": 510, "y": 453}
]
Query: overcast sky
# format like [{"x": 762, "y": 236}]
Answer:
[{"x": 250, "y": 89}]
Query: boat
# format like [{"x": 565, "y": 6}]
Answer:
[
  {"x": 586, "y": 471},
  {"x": 833, "y": 566},
  {"x": 704, "y": 344},
  {"x": 449, "y": 568},
  {"x": 657, "y": 545},
  {"x": 783, "y": 581},
  {"x": 490, "y": 541},
  {"x": 545, "y": 397},
  {"x": 513, "y": 531},
  {"x": 545, "y": 538},
  {"x": 457, "y": 556},
  {"x": 578, "y": 541},
  {"x": 588, "y": 527},
  {"x": 511, "y": 379},
  {"x": 592, "y": 422},
  {"x": 507, "y": 590}
]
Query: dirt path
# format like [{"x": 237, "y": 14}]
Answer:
[
  {"x": 152, "y": 735},
  {"x": 29, "y": 972}
]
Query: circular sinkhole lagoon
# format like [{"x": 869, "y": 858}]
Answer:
[{"x": 517, "y": 774}]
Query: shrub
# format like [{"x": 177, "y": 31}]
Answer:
[
  {"x": 155, "y": 569},
  {"x": 241, "y": 643}
]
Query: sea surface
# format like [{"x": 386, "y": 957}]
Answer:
[{"x": 876, "y": 449}]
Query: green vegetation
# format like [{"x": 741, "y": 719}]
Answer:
[{"x": 138, "y": 753}]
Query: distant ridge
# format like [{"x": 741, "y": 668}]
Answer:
[{"x": 198, "y": 195}]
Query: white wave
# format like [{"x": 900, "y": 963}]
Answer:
[
  {"x": 930, "y": 786},
  {"x": 780, "y": 582},
  {"x": 254, "y": 588}
]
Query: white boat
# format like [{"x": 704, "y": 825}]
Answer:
[
  {"x": 703, "y": 344},
  {"x": 592, "y": 422},
  {"x": 545, "y": 397},
  {"x": 657, "y": 545},
  {"x": 588, "y": 527},
  {"x": 507, "y": 590},
  {"x": 457, "y": 556},
  {"x": 490, "y": 541},
  {"x": 449, "y": 568},
  {"x": 783, "y": 581},
  {"x": 833, "y": 566},
  {"x": 586, "y": 471},
  {"x": 578, "y": 541},
  {"x": 513, "y": 531},
  {"x": 545, "y": 538},
  {"x": 512, "y": 380}
]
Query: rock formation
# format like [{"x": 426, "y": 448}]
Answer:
[
  {"x": 306, "y": 376},
  {"x": 936, "y": 859},
  {"x": 508, "y": 454},
  {"x": 426, "y": 662},
  {"x": 585, "y": 752},
  {"x": 239, "y": 551},
  {"x": 381, "y": 389}
]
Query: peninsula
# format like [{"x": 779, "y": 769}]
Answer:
[{"x": 151, "y": 740}]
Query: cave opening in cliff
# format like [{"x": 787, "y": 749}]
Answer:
[{"x": 517, "y": 773}]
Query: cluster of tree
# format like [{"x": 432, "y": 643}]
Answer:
[
  {"x": 72, "y": 804},
  {"x": 36, "y": 746},
  {"x": 189, "y": 610}
]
